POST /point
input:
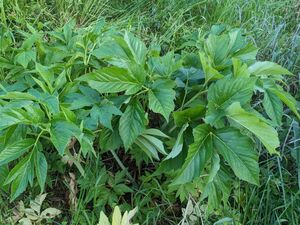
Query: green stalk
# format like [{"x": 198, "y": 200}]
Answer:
[
  {"x": 194, "y": 97},
  {"x": 122, "y": 166}
]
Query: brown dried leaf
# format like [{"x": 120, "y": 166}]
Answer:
[{"x": 73, "y": 201}]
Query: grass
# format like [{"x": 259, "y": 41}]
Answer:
[
  {"x": 275, "y": 27},
  {"x": 271, "y": 24}
]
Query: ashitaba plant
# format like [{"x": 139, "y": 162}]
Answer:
[{"x": 195, "y": 116}]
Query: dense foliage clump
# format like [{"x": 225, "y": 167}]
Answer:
[{"x": 99, "y": 114}]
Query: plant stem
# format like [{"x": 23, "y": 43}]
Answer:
[
  {"x": 40, "y": 136},
  {"x": 122, "y": 166},
  {"x": 194, "y": 97},
  {"x": 185, "y": 94}
]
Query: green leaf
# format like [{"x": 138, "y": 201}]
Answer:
[
  {"x": 171, "y": 165},
  {"x": 61, "y": 80},
  {"x": 86, "y": 144},
  {"x": 158, "y": 144},
  {"x": 112, "y": 80},
  {"x": 226, "y": 91},
  {"x": 198, "y": 155},
  {"x": 155, "y": 132},
  {"x": 132, "y": 123},
  {"x": 215, "y": 167},
  {"x": 247, "y": 54},
  {"x": 15, "y": 150},
  {"x": 286, "y": 98},
  {"x": 87, "y": 97},
  {"x": 14, "y": 114},
  {"x": 240, "y": 69},
  {"x": 213, "y": 188},
  {"x": 209, "y": 72},
  {"x": 19, "y": 185},
  {"x": 238, "y": 151},
  {"x": 188, "y": 115},
  {"x": 273, "y": 106},
  {"x": 121, "y": 189},
  {"x": 236, "y": 40},
  {"x": 148, "y": 147},
  {"x": 68, "y": 30},
  {"x": 24, "y": 57},
  {"x": 8, "y": 120},
  {"x": 137, "y": 71},
  {"x": 164, "y": 65},
  {"x": 18, "y": 95},
  {"x": 3, "y": 173},
  {"x": 150, "y": 144},
  {"x": 69, "y": 114},
  {"x": 41, "y": 167},
  {"x": 42, "y": 85},
  {"x": 110, "y": 49},
  {"x": 17, "y": 170},
  {"x": 137, "y": 48},
  {"x": 51, "y": 102},
  {"x": 217, "y": 46},
  {"x": 45, "y": 73},
  {"x": 268, "y": 68},
  {"x": 104, "y": 113},
  {"x": 217, "y": 189},
  {"x": 61, "y": 133},
  {"x": 161, "y": 97},
  {"x": 20, "y": 176},
  {"x": 110, "y": 139},
  {"x": 177, "y": 148},
  {"x": 30, "y": 39},
  {"x": 265, "y": 133}
]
